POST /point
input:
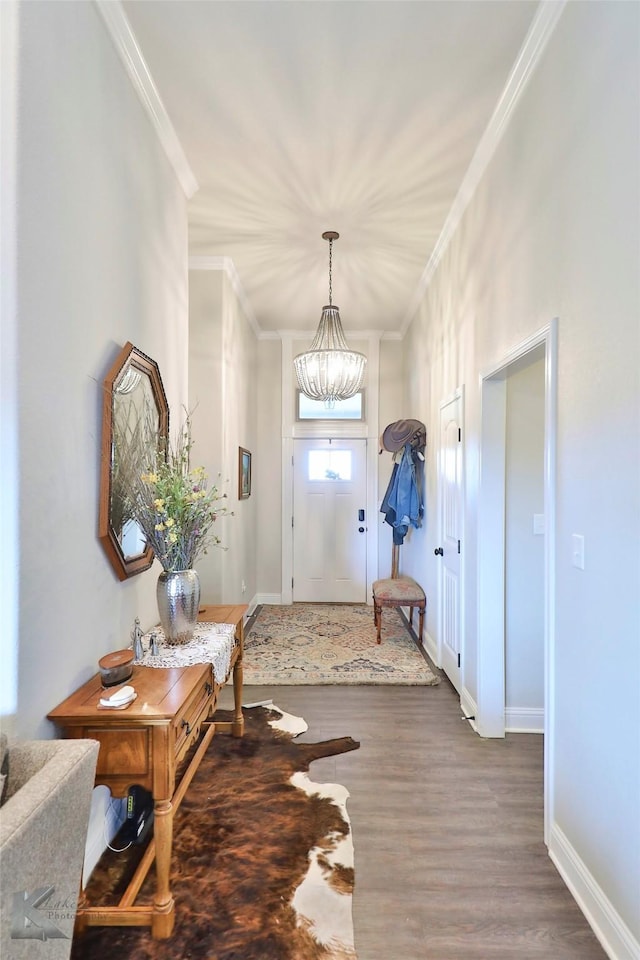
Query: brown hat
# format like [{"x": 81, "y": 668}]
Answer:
[{"x": 397, "y": 434}]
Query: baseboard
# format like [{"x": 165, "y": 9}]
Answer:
[
  {"x": 469, "y": 708},
  {"x": 251, "y": 606},
  {"x": 524, "y": 719},
  {"x": 617, "y": 940},
  {"x": 431, "y": 648},
  {"x": 271, "y": 598}
]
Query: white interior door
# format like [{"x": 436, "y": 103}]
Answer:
[
  {"x": 329, "y": 521},
  {"x": 450, "y": 548}
]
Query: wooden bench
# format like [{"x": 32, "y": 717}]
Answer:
[{"x": 398, "y": 592}]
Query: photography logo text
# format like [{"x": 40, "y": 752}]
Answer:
[{"x": 35, "y": 915}]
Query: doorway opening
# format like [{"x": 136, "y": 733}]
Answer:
[
  {"x": 524, "y": 546},
  {"x": 496, "y": 532}
]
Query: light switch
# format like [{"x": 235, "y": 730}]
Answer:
[
  {"x": 538, "y": 524},
  {"x": 577, "y": 550}
]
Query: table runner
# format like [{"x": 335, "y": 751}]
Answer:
[{"x": 211, "y": 643}]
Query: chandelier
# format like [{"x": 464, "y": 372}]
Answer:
[{"x": 329, "y": 370}]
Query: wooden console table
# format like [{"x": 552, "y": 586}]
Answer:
[{"x": 143, "y": 744}]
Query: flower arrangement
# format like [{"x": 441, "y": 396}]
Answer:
[{"x": 167, "y": 498}]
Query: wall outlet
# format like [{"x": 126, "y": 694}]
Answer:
[
  {"x": 577, "y": 550},
  {"x": 538, "y": 524},
  {"x": 244, "y": 587}
]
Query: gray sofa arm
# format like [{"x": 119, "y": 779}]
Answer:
[{"x": 43, "y": 829}]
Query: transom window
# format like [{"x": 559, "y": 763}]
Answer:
[{"x": 351, "y": 409}]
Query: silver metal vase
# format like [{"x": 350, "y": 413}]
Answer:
[{"x": 178, "y": 594}]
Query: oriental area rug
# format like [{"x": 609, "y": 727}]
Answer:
[
  {"x": 262, "y": 864},
  {"x": 331, "y": 643}
]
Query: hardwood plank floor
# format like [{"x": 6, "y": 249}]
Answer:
[{"x": 448, "y": 828}]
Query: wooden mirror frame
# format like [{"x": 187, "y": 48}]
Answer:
[{"x": 129, "y": 356}]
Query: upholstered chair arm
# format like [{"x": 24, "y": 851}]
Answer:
[{"x": 43, "y": 830}]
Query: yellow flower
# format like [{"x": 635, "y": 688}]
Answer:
[
  {"x": 158, "y": 504},
  {"x": 150, "y": 477},
  {"x": 169, "y": 522},
  {"x": 173, "y": 537},
  {"x": 159, "y": 526}
]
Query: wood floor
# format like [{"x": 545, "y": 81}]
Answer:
[{"x": 450, "y": 860}]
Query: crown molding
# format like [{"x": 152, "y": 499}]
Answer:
[
  {"x": 227, "y": 266},
  {"x": 209, "y": 263},
  {"x": 131, "y": 55},
  {"x": 541, "y": 29}
]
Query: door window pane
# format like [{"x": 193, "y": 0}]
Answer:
[{"x": 329, "y": 465}]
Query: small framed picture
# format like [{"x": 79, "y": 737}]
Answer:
[{"x": 244, "y": 473}]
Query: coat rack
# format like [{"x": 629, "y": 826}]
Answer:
[
  {"x": 402, "y": 499},
  {"x": 402, "y": 503}
]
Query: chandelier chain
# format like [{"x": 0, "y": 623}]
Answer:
[{"x": 330, "y": 283}]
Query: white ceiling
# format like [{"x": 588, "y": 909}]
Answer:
[{"x": 300, "y": 117}]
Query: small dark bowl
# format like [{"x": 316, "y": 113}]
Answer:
[{"x": 116, "y": 667}]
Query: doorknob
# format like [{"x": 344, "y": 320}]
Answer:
[
  {"x": 439, "y": 552},
  {"x": 360, "y": 529}
]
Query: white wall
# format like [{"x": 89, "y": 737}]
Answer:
[
  {"x": 223, "y": 397},
  {"x": 9, "y": 477},
  {"x": 524, "y": 550},
  {"x": 101, "y": 234},
  {"x": 553, "y": 230},
  {"x": 206, "y": 399},
  {"x": 240, "y": 352},
  {"x": 390, "y": 410},
  {"x": 268, "y": 468}
]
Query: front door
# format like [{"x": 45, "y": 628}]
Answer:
[
  {"x": 449, "y": 550},
  {"x": 329, "y": 521}
]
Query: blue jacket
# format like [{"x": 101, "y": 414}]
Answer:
[{"x": 402, "y": 503}]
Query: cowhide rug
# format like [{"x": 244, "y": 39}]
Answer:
[{"x": 262, "y": 858}]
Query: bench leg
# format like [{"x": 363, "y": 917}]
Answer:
[
  {"x": 377, "y": 617},
  {"x": 421, "y": 622}
]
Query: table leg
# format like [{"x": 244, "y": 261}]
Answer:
[
  {"x": 80, "y": 925},
  {"x": 163, "y": 903},
  {"x": 237, "y": 727}
]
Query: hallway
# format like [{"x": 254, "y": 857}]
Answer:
[
  {"x": 469, "y": 224},
  {"x": 450, "y": 861}
]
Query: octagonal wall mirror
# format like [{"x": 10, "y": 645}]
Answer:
[{"x": 132, "y": 388}]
